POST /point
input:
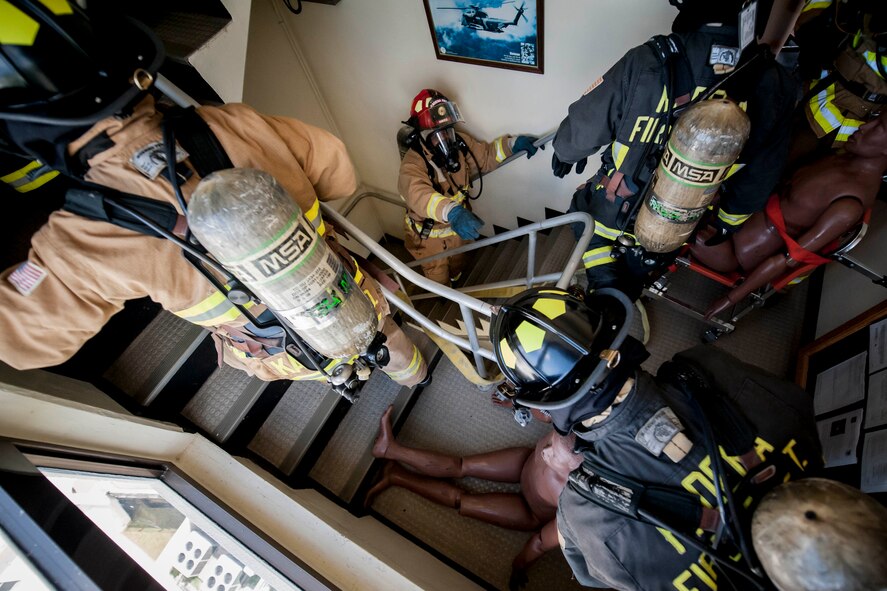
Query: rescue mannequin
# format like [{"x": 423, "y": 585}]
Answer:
[
  {"x": 542, "y": 473},
  {"x": 624, "y": 114},
  {"x": 642, "y": 508},
  {"x": 91, "y": 119},
  {"x": 823, "y": 201},
  {"x": 437, "y": 180}
]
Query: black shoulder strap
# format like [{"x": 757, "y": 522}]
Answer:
[
  {"x": 121, "y": 209},
  {"x": 193, "y": 133}
]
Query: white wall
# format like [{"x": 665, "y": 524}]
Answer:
[
  {"x": 846, "y": 293},
  {"x": 358, "y": 554},
  {"x": 370, "y": 58},
  {"x": 222, "y": 60}
]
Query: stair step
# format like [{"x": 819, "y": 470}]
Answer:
[
  {"x": 154, "y": 357},
  {"x": 224, "y": 400},
  {"x": 558, "y": 248},
  {"x": 345, "y": 463},
  {"x": 493, "y": 265},
  {"x": 294, "y": 424}
]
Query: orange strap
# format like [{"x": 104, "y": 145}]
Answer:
[{"x": 795, "y": 250}]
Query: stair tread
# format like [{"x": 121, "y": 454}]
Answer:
[
  {"x": 154, "y": 356},
  {"x": 222, "y": 401}
]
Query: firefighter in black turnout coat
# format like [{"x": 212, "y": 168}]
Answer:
[
  {"x": 625, "y": 113},
  {"x": 642, "y": 511}
]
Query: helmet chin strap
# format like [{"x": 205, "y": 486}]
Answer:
[{"x": 602, "y": 369}]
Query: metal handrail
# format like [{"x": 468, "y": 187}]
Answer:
[
  {"x": 466, "y": 302},
  {"x": 400, "y": 202}
]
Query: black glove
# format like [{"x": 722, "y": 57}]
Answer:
[
  {"x": 524, "y": 143},
  {"x": 562, "y": 169}
]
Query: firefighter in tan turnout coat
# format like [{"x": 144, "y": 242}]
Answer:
[
  {"x": 438, "y": 176},
  {"x": 79, "y": 271}
]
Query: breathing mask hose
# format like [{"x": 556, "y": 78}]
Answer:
[{"x": 480, "y": 174}]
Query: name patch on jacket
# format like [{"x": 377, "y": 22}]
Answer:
[
  {"x": 150, "y": 160},
  {"x": 723, "y": 59},
  {"x": 27, "y": 277}
]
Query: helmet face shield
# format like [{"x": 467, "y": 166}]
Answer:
[
  {"x": 444, "y": 113},
  {"x": 548, "y": 343}
]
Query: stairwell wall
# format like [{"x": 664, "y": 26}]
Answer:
[{"x": 361, "y": 63}]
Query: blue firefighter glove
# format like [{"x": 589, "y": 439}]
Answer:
[
  {"x": 465, "y": 223},
  {"x": 525, "y": 143},
  {"x": 562, "y": 169}
]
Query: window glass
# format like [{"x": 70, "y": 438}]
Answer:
[
  {"x": 173, "y": 541},
  {"x": 16, "y": 572}
]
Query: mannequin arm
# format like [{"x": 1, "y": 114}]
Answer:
[
  {"x": 541, "y": 542},
  {"x": 840, "y": 216}
]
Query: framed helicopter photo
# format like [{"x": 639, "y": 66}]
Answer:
[{"x": 496, "y": 33}]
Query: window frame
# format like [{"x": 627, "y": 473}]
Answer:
[{"x": 268, "y": 550}]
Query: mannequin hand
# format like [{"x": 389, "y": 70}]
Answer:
[
  {"x": 465, "y": 224},
  {"x": 562, "y": 169},
  {"x": 525, "y": 143},
  {"x": 518, "y": 579}
]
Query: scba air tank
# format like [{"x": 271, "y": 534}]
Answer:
[
  {"x": 699, "y": 155},
  {"x": 249, "y": 223}
]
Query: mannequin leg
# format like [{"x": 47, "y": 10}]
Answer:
[
  {"x": 503, "y": 509},
  {"x": 503, "y": 465}
]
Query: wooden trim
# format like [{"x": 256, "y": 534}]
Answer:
[{"x": 848, "y": 328}]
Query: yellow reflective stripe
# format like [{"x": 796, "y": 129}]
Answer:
[
  {"x": 21, "y": 172},
  {"x": 358, "y": 274},
  {"x": 411, "y": 370},
  {"x": 733, "y": 219},
  {"x": 321, "y": 228},
  {"x": 202, "y": 307},
  {"x": 58, "y": 7},
  {"x": 848, "y": 128},
  {"x": 412, "y": 225},
  {"x": 228, "y": 314},
  {"x": 872, "y": 60},
  {"x": 435, "y": 200},
  {"x": 607, "y": 232},
  {"x": 817, "y": 4},
  {"x": 500, "y": 150},
  {"x": 16, "y": 27},
  {"x": 619, "y": 151},
  {"x": 734, "y": 169},
  {"x": 37, "y": 183},
  {"x": 597, "y": 256},
  {"x": 313, "y": 211},
  {"x": 824, "y": 112},
  {"x": 798, "y": 280}
]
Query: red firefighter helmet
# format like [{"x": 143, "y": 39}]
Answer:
[{"x": 432, "y": 110}]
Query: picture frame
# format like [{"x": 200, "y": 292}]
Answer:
[{"x": 494, "y": 33}]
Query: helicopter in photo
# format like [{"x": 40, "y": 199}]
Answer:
[{"x": 474, "y": 17}]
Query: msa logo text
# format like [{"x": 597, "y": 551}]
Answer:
[
  {"x": 278, "y": 259},
  {"x": 692, "y": 173}
]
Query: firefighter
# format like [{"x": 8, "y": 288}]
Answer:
[
  {"x": 843, "y": 60},
  {"x": 91, "y": 118},
  {"x": 441, "y": 172},
  {"x": 626, "y": 114},
  {"x": 672, "y": 465}
]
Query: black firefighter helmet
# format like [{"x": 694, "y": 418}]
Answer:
[
  {"x": 555, "y": 348},
  {"x": 62, "y": 65}
]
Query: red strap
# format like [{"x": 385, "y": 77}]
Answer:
[{"x": 795, "y": 250}]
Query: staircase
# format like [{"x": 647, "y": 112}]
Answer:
[{"x": 308, "y": 436}]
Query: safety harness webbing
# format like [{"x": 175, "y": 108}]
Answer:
[{"x": 795, "y": 250}]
